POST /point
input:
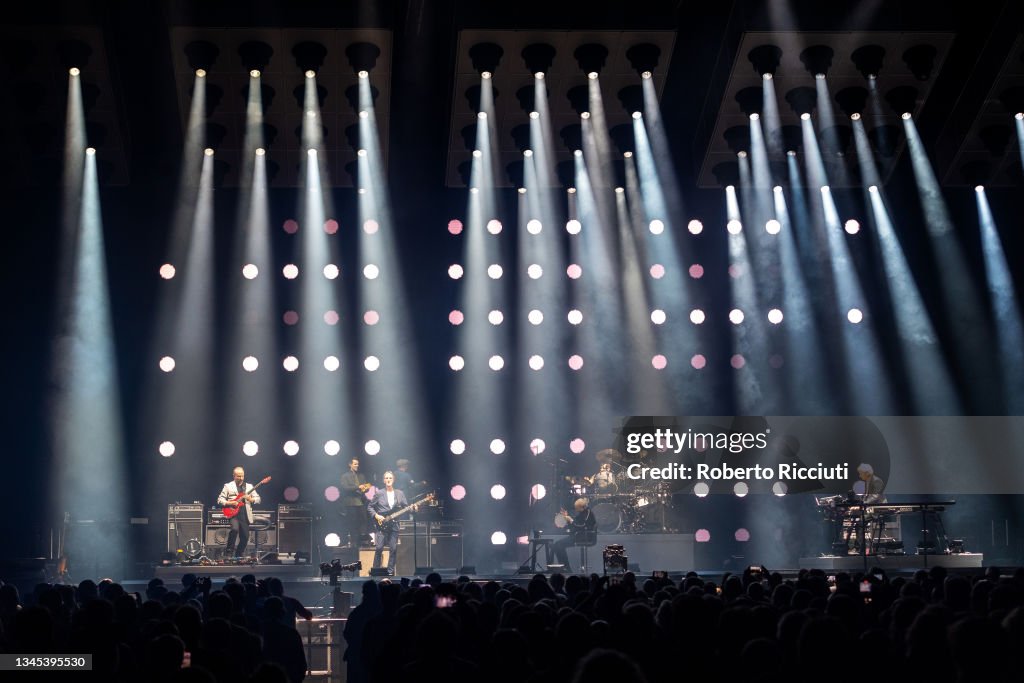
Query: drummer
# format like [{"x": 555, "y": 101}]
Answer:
[{"x": 603, "y": 479}]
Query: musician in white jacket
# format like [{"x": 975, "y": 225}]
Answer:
[{"x": 239, "y": 523}]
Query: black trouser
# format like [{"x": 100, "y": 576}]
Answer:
[
  {"x": 387, "y": 534},
  {"x": 239, "y": 530},
  {"x": 354, "y": 522},
  {"x": 560, "y": 549}
]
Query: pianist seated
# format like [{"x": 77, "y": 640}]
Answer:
[{"x": 869, "y": 487}]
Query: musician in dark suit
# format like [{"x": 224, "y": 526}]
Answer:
[
  {"x": 581, "y": 524},
  {"x": 353, "y": 503},
  {"x": 240, "y": 522},
  {"x": 384, "y": 503}
]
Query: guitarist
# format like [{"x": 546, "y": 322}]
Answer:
[
  {"x": 387, "y": 500},
  {"x": 353, "y": 502},
  {"x": 239, "y": 523}
]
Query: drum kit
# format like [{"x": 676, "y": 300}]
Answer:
[{"x": 620, "y": 504}]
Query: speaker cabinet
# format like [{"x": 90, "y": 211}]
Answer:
[
  {"x": 293, "y": 536},
  {"x": 184, "y": 522},
  {"x": 446, "y": 551},
  {"x": 405, "y": 562},
  {"x": 217, "y": 538}
]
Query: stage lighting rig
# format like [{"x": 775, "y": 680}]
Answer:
[
  {"x": 538, "y": 57},
  {"x": 765, "y": 58},
  {"x": 202, "y": 54},
  {"x": 817, "y": 59},
  {"x": 486, "y": 56},
  {"x": 644, "y": 57},
  {"x": 309, "y": 55},
  {"x": 255, "y": 55},
  {"x": 920, "y": 59},
  {"x": 868, "y": 60},
  {"x": 802, "y": 100},
  {"x": 852, "y": 100},
  {"x": 362, "y": 56},
  {"x": 591, "y": 57}
]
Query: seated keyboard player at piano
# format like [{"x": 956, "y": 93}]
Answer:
[{"x": 869, "y": 488}]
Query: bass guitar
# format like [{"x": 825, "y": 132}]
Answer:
[
  {"x": 229, "y": 511},
  {"x": 390, "y": 517}
]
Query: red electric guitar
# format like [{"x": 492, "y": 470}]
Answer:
[{"x": 230, "y": 512}]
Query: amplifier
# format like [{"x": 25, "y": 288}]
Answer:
[
  {"x": 216, "y": 518},
  {"x": 294, "y": 535},
  {"x": 184, "y": 522},
  {"x": 294, "y": 511},
  {"x": 217, "y": 537}
]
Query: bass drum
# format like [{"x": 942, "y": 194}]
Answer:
[{"x": 608, "y": 516}]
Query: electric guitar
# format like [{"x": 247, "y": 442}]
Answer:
[
  {"x": 388, "y": 518},
  {"x": 229, "y": 511}
]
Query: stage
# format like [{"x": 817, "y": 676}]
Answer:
[{"x": 853, "y": 563}]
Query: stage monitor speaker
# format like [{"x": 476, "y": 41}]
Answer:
[
  {"x": 405, "y": 564},
  {"x": 293, "y": 535},
  {"x": 184, "y": 522},
  {"x": 445, "y": 551}
]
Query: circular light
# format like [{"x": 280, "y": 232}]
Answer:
[
  {"x": 872, "y": 189},
  {"x": 766, "y": 76},
  {"x": 790, "y": 153},
  {"x": 456, "y": 363},
  {"x": 772, "y": 226},
  {"x": 741, "y": 154},
  {"x": 455, "y": 317},
  {"x": 485, "y": 74},
  {"x": 855, "y": 116},
  {"x": 250, "y": 448},
  {"x": 698, "y": 361},
  {"x": 536, "y": 362},
  {"x": 455, "y": 226},
  {"x": 482, "y": 115},
  {"x": 208, "y": 151},
  {"x": 575, "y": 317},
  {"x": 697, "y": 316},
  {"x": 494, "y": 271},
  {"x": 310, "y": 73},
  {"x": 371, "y": 363},
  {"x": 311, "y": 152},
  {"x": 371, "y": 271},
  {"x": 497, "y": 493},
  {"x": 775, "y": 316},
  {"x": 332, "y": 540},
  {"x": 735, "y": 316},
  {"x": 905, "y": 116},
  {"x": 455, "y": 271},
  {"x": 742, "y": 535},
  {"x": 585, "y": 116},
  {"x": 535, "y": 317},
  {"x": 458, "y": 492},
  {"x": 521, "y": 190},
  {"x": 779, "y": 488},
  {"x": 250, "y": 271},
  {"x": 696, "y": 271},
  {"x": 360, "y": 152},
  {"x": 805, "y": 117},
  {"x": 370, "y": 226},
  {"x": 534, "y": 115},
  {"x": 495, "y": 317},
  {"x": 457, "y": 446},
  {"x": 658, "y": 316},
  {"x": 754, "y": 116},
  {"x": 364, "y": 74},
  {"x": 330, "y": 226},
  {"x": 291, "y": 493},
  {"x": 291, "y": 447},
  {"x": 577, "y": 445},
  {"x": 290, "y": 363},
  {"x": 657, "y": 271},
  {"x": 537, "y": 446},
  {"x": 200, "y": 73},
  {"x": 290, "y": 226},
  {"x": 741, "y": 489},
  {"x": 825, "y": 189},
  {"x": 737, "y": 361},
  {"x": 575, "y": 362},
  {"x": 166, "y": 448},
  {"x": 702, "y": 535},
  {"x": 498, "y": 538},
  {"x": 539, "y": 75},
  {"x": 645, "y": 75},
  {"x": 534, "y": 271},
  {"x": 574, "y": 271},
  {"x": 659, "y": 362},
  {"x": 166, "y": 363},
  {"x": 364, "y": 114},
  {"x": 695, "y": 227},
  {"x": 701, "y": 489},
  {"x": 1019, "y": 116},
  {"x": 819, "y": 76},
  {"x": 250, "y": 364},
  {"x": 494, "y": 226},
  {"x": 979, "y": 188},
  {"x": 91, "y": 151},
  {"x": 573, "y": 226},
  {"x": 255, "y": 73},
  {"x": 372, "y": 447},
  {"x": 290, "y": 271},
  {"x": 331, "y": 271},
  {"x": 656, "y": 227},
  {"x": 331, "y": 317},
  {"x": 260, "y": 151},
  {"x": 571, "y": 190},
  {"x": 527, "y": 153},
  {"x": 533, "y": 226},
  {"x": 538, "y": 491},
  {"x": 495, "y": 362},
  {"x": 637, "y": 115},
  {"x": 855, "y": 315},
  {"x": 577, "y": 153},
  {"x": 734, "y": 227},
  {"x": 852, "y": 227},
  {"x": 627, "y": 155},
  {"x": 332, "y": 447},
  {"x": 331, "y": 363},
  {"x": 497, "y": 446}
]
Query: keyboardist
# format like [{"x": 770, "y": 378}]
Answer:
[{"x": 869, "y": 487}]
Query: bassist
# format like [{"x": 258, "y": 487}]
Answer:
[
  {"x": 229, "y": 498},
  {"x": 386, "y": 501}
]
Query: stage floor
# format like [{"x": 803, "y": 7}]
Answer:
[{"x": 853, "y": 563}]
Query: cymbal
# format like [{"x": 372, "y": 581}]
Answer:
[{"x": 608, "y": 455}]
